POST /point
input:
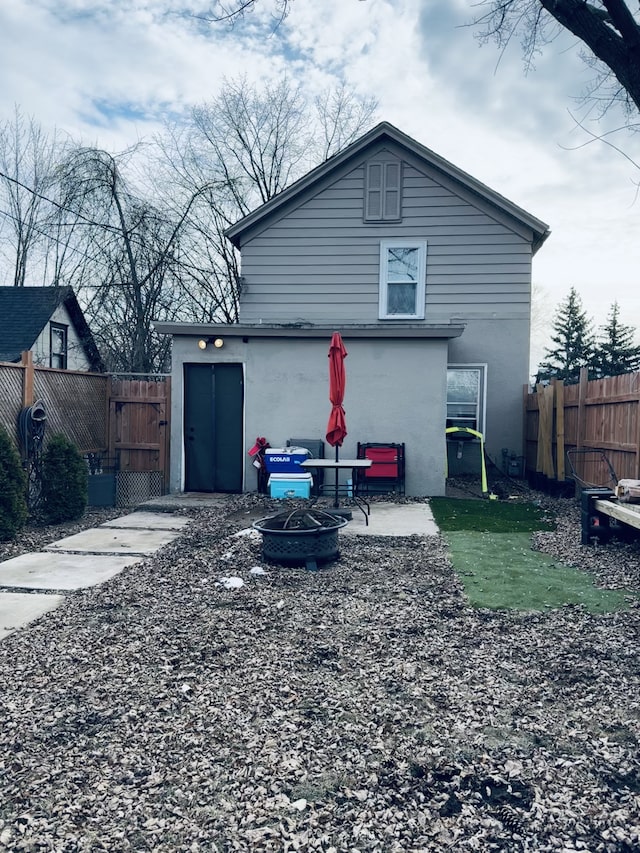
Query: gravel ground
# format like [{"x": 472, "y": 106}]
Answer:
[{"x": 364, "y": 707}]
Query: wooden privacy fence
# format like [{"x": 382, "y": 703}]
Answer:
[
  {"x": 566, "y": 426},
  {"x": 138, "y": 429},
  {"x": 122, "y": 423}
]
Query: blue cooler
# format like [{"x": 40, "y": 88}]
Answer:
[
  {"x": 290, "y": 485},
  {"x": 286, "y": 460}
]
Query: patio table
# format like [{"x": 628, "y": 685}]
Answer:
[{"x": 336, "y": 465}]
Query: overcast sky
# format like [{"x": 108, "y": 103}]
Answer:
[{"x": 107, "y": 71}]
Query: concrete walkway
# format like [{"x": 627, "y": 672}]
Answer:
[
  {"x": 77, "y": 562},
  {"x": 97, "y": 554}
]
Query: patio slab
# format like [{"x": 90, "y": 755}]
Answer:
[
  {"x": 19, "y": 608},
  {"x": 391, "y": 519},
  {"x": 180, "y": 500},
  {"x": 112, "y": 540},
  {"x": 42, "y": 570},
  {"x": 149, "y": 521}
]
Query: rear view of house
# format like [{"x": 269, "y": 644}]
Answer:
[{"x": 426, "y": 273}]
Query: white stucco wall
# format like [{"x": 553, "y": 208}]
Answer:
[{"x": 396, "y": 392}]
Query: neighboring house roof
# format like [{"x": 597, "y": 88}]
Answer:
[
  {"x": 24, "y": 313},
  {"x": 381, "y": 133}
]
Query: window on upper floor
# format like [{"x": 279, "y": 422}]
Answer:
[
  {"x": 402, "y": 279},
  {"x": 57, "y": 345},
  {"x": 466, "y": 396},
  {"x": 383, "y": 191}
]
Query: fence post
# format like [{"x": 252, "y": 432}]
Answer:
[
  {"x": 539, "y": 437},
  {"x": 559, "y": 401},
  {"x": 108, "y": 390},
  {"x": 27, "y": 378},
  {"x": 582, "y": 395},
  {"x": 111, "y": 417},
  {"x": 545, "y": 430}
]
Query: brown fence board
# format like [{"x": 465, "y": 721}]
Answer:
[
  {"x": 598, "y": 414},
  {"x": 11, "y": 381},
  {"x": 138, "y": 420},
  {"x": 126, "y": 420}
]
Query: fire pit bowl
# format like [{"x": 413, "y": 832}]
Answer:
[{"x": 300, "y": 537}]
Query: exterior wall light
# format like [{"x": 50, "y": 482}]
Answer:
[{"x": 204, "y": 342}]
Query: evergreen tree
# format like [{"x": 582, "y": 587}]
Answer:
[
  {"x": 615, "y": 351},
  {"x": 13, "y": 489},
  {"x": 64, "y": 481},
  {"x": 574, "y": 342}
]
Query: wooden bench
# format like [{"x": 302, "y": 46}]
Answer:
[{"x": 602, "y": 512}]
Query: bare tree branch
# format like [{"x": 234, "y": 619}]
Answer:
[{"x": 608, "y": 30}]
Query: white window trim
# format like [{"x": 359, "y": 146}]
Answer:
[
  {"x": 385, "y": 245},
  {"x": 483, "y": 368},
  {"x": 54, "y": 354}
]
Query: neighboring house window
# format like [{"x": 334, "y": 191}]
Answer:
[
  {"x": 58, "y": 345},
  {"x": 383, "y": 191},
  {"x": 402, "y": 279},
  {"x": 466, "y": 396}
]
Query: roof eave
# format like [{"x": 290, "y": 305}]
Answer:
[{"x": 274, "y": 330}]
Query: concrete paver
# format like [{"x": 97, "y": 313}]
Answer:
[
  {"x": 20, "y": 608},
  {"x": 112, "y": 540},
  {"x": 180, "y": 500},
  {"x": 149, "y": 521},
  {"x": 389, "y": 519},
  {"x": 79, "y": 561},
  {"x": 41, "y": 570}
]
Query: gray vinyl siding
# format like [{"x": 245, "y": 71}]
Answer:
[{"x": 320, "y": 261}]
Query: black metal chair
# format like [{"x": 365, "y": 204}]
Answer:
[
  {"x": 315, "y": 446},
  {"x": 386, "y": 474}
]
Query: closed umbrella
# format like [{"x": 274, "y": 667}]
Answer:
[{"x": 337, "y": 426}]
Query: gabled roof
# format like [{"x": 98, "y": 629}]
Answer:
[
  {"x": 381, "y": 133},
  {"x": 24, "y": 313}
]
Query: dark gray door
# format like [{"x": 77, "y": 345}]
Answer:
[{"x": 213, "y": 408}]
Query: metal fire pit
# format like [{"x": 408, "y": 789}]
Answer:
[{"x": 305, "y": 537}]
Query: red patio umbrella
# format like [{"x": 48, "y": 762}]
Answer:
[{"x": 337, "y": 426}]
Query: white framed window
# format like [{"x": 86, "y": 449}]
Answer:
[
  {"x": 403, "y": 265},
  {"x": 383, "y": 191},
  {"x": 466, "y": 396},
  {"x": 57, "y": 345}
]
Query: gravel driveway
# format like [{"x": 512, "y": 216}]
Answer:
[{"x": 364, "y": 707}]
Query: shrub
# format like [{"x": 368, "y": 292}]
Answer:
[
  {"x": 13, "y": 488},
  {"x": 64, "y": 481}
]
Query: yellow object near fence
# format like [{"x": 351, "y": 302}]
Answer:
[{"x": 474, "y": 434}]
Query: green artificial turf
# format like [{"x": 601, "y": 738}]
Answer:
[
  {"x": 487, "y": 515},
  {"x": 500, "y": 571},
  {"x": 490, "y": 547}
]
